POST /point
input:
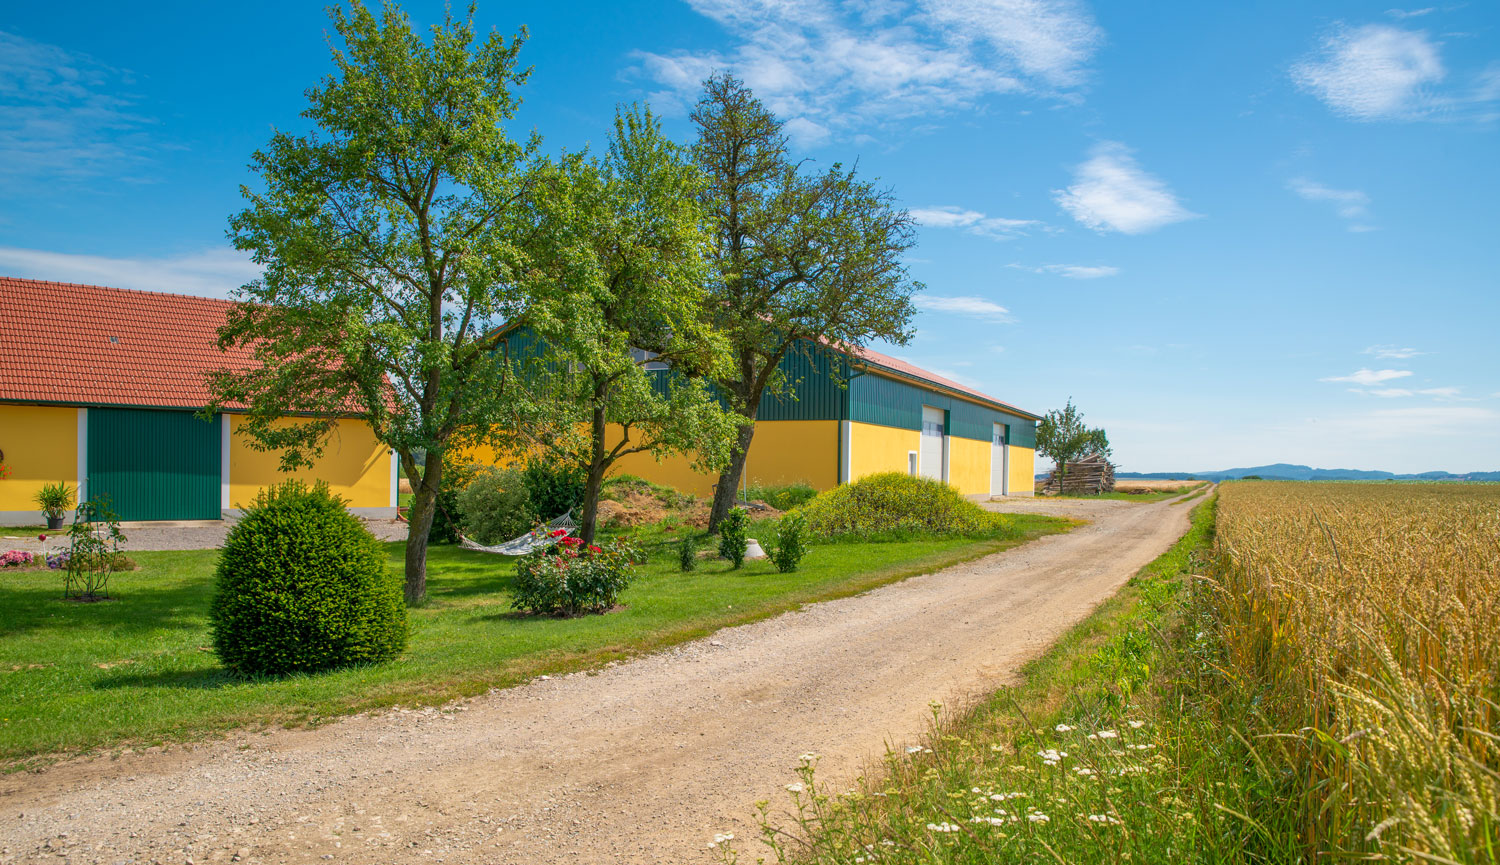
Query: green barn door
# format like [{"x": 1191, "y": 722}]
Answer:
[{"x": 155, "y": 465}]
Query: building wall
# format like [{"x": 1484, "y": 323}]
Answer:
[
  {"x": 969, "y": 465},
  {"x": 1022, "y": 470},
  {"x": 41, "y": 447},
  {"x": 354, "y": 464},
  {"x": 874, "y": 448}
]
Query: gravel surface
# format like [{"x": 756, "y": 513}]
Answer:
[{"x": 641, "y": 762}]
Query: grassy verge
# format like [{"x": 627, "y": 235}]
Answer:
[
  {"x": 138, "y": 671},
  {"x": 1153, "y": 496},
  {"x": 1079, "y": 763}
]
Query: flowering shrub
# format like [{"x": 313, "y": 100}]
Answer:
[
  {"x": 15, "y": 559},
  {"x": 894, "y": 506},
  {"x": 59, "y": 561},
  {"x": 573, "y": 578}
]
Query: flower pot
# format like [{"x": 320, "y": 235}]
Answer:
[{"x": 54, "y": 522}]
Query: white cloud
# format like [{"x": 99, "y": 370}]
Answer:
[
  {"x": 829, "y": 68},
  {"x": 1111, "y": 192},
  {"x": 1402, "y": 14},
  {"x": 1073, "y": 271},
  {"x": 211, "y": 273},
  {"x": 1415, "y": 424},
  {"x": 975, "y": 307},
  {"x": 1369, "y": 376},
  {"x": 1441, "y": 391},
  {"x": 64, "y": 115},
  {"x": 973, "y": 221},
  {"x": 1392, "y": 352},
  {"x": 1350, "y": 204},
  {"x": 1374, "y": 72},
  {"x": 1387, "y": 392}
]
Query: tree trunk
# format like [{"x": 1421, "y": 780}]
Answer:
[
  {"x": 595, "y": 484},
  {"x": 729, "y": 479},
  {"x": 419, "y": 520}
]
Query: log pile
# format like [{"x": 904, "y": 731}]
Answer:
[{"x": 1087, "y": 477}]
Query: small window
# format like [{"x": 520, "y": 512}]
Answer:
[
  {"x": 644, "y": 358},
  {"x": 911, "y": 463}
]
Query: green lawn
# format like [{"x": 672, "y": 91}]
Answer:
[{"x": 138, "y": 670}]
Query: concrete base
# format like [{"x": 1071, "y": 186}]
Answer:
[{"x": 365, "y": 513}]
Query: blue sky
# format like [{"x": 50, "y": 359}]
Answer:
[{"x": 1233, "y": 233}]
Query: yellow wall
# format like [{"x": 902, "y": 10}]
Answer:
[
  {"x": 783, "y": 451},
  {"x": 354, "y": 464},
  {"x": 1022, "y": 471},
  {"x": 969, "y": 465},
  {"x": 41, "y": 447},
  {"x": 875, "y": 448}
]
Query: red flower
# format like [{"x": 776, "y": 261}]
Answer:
[
  {"x": 41, "y": 537},
  {"x": 555, "y": 533},
  {"x": 594, "y": 549},
  {"x": 571, "y": 542}
]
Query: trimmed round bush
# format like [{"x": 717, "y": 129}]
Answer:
[
  {"x": 303, "y": 586},
  {"x": 892, "y": 505}
]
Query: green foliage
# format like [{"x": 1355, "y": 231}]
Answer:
[
  {"x": 573, "y": 577},
  {"x": 554, "y": 486},
  {"x": 390, "y": 237},
  {"x": 734, "y": 536},
  {"x": 791, "y": 542},
  {"x": 496, "y": 504},
  {"x": 94, "y": 541},
  {"x": 1064, "y": 438},
  {"x": 54, "y": 499},
  {"x": 687, "y": 554},
  {"x": 798, "y": 255},
  {"x": 448, "y": 514},
  {"x": 302, "y": 586},
  {"x": 782, "y": 497},
  {"x": 892, "y": 505}
]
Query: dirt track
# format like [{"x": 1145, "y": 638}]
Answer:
[{"x": 641, "y": 762}]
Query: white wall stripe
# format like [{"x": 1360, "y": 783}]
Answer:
[
  {"x": 224, "y": 440},
  {"x": 83, "y": 454}
]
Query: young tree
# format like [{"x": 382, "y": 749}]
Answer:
[
  {"x": 390, "y": 242},
  {"x": 616, "y": 297},
  {"x": 797, "y": 256},
  {"x": 1063, "y": 436}
]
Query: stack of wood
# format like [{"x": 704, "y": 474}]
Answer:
[{"x": 1087, "y": 477}]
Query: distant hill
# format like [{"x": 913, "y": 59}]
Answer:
[{"x": 1290, "y": 472}]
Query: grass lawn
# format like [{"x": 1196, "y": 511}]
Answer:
[{"x": 138, "y": 670}]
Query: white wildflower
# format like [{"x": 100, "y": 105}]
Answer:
[
  {"x": 1136, "y": 725},
  {"x": 1103, "y": 818},
  {"x": 1108, "y": 734},
  {"x": 944, "y": 826},
  {"x": 915, "y": 749},
  {"x": 1083, "y": 770},
  {"x": 795, "y": 788},
  {"x": 1038, "y": 817},
  {"x": 1063, "y": 728}
]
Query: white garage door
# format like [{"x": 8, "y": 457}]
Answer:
[
  {"x": 932, "y": 443},
  {"x": 997, "y": 461}
]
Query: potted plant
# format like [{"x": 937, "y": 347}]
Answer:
[{"x": 54, "y": 500}]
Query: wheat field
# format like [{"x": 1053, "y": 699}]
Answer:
[{"x": 1360, "y": 626}]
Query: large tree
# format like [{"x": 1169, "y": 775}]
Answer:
[
  {"x": 799, "y": 257},
  {"x": 616, "y": 294},
  {"x": 1064, "y": 437},
  {"x": 391, "y": 238}
]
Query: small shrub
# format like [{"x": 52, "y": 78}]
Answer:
[
  {"x": 791, "y": 543},
  {"x": 896, "y": 506},
  {"x": 555, "y": 487},
  {"x": 93, "y": 552},
  {"x": 572, "y": 578},
  {"x": 302, "y": 586},
  {"x": 687, "y": 554},
  {"x": 733, "y": 536},
  {"x": 782, "y": 497},
  {"x": 496, "y": 505}
]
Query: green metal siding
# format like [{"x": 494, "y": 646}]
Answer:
[
  {"x": 155, "y": 465},
  {"x": 812, "y": 393},
  {"x": 891, "y": 402}
]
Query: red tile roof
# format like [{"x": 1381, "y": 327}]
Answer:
[
  {"x": 898, "y": 365},
  {"x": 88, "y": 345}
]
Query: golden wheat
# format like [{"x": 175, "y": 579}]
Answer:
[{"x": 1365, "y": 620}]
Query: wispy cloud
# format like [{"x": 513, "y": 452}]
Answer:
[
  {"x": 1369, "y": 377},
  {"x": 1380, "y": 72},
  {"x": 1416, "y": 423},
  {"x": 1392, "y": 352},
  {"x": 1071, "y": 271},
  {"x": 969, "y": 305},
  {"x": 974, "y": 222},
  {"x": 64, "y": 115},
  {"x": 211, "y": 273},
  {"x": 1111, "y": 192},
  {"x": 1350, "y": 204},
  {"x": 1386, "y": 392},
  {"x": 1403, "y": 14},
  {"x": 831, "y": 69}
]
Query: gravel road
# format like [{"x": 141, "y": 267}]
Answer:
[{"x": 641, "y": 762}]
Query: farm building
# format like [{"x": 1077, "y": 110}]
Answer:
[
  {"x": 851, "y": 414},
  {"x": 99, "y": 388}
]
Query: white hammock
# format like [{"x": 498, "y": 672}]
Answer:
[{"x": 527, "y": 542}]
